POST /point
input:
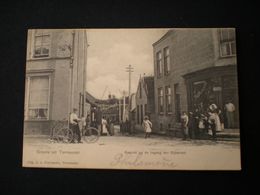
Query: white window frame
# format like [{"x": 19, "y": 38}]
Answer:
[
  {"x": 27, "y": 98},
  {"x": 159, "y": 64},
  {"x": 40, "y": 56},
  {"x": 160, "y": 97},
  {"x": 167, "y": 95},
  {"x": 229, "y": 41},
  {"x": 166, "y": 63}
]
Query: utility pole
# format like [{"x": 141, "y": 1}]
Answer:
[
  {"x": 129, "y": 69},
  {"x": 124, "y": 117},
  {"x": 71, "y": 89},
  {"x": 86, "y": 45}
]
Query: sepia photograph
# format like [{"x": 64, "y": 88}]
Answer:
[{"x": 141, "y": 99}]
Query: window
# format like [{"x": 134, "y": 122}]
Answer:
[
  {"x": 142, "y": 113},
  {"x": 159, "y": 63},
  {"x": 168, "y": 99},
  {"x": 140, "y": 90},
  {"x": 41, "y": 45},
  {"x": 227, "y": 42},
  {"x": 177, "y": 98},
  {"x": 145, "y": 109},
  {"x": 37, "y": 98},
  {"x": 137, "y": 113},
  {"x": 160, "y": 100},
  {"x": 166, "y": 53}
]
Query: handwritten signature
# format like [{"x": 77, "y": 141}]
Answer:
[{"x": 136, "y": 160}]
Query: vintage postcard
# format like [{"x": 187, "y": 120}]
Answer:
[{"x": 149, "y": 99}]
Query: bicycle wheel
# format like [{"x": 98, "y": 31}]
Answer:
[
  {"x": 91, "y": 135},
  {"x": 65, "y": 135}
]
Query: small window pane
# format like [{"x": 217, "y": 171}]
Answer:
[
  {"x": 45, "y": 38},
  {"x": 37, "y": 51},
  {"x": 224, "y": 49},
  {"x": 45, "y": 51},
  {"x": 38, "y": 41}
]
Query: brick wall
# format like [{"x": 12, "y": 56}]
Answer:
[{"x": 190, "y": 50}]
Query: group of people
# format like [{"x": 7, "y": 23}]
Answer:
[
  {"x": 107, "y": 127},
  {"x": 197, "y": 123}
]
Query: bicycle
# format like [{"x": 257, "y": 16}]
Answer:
[
  {"x": 90, "y": 134},
  {"x": 60, "y": 132}
]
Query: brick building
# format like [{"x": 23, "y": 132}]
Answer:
[
  {"x": 192, "y": 68},
  {"x": 55, "y": 77}
]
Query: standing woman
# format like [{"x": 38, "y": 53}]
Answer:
[
  {"x": 215, "y": 112},
  {"x": 184, "y": 125},
  {"x": 147, "y": 125},
  {"x": 104, "y": 126}
]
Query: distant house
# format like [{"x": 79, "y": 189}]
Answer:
[
  {"x": 144, "y": 100},
  {"x": 103, "y": 108},
  {"x": 133, "y": 107}
]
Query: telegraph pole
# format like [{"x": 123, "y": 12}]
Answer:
[
  {"x": 129, "y": 69},
  {"x": 86, "y": 45}
]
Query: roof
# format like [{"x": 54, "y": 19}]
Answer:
[
  {"x": 94, "y": 101},
  {"x": 163, "y": 37},
  {"x": 149, "y": 86}
]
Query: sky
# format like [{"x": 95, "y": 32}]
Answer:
[{"x": 110, "y": 51}]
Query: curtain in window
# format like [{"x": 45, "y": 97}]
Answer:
[{"x": 38, "y": 97}]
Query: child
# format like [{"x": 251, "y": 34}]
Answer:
[{"x": 147, "y": 126}]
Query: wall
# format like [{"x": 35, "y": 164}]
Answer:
[
  {"x": 57, "y": 65},
  {"x": 190, "y": 50}
]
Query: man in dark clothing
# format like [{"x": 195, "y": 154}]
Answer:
[
  {"x": 213, "y": 129},
  {"x": 196, "y": 117}
]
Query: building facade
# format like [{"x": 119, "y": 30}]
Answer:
[
  {"x": 55, "y": 77},
  {"x": 144, "y": 100},
  {"x": 193, "y": 68}
]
